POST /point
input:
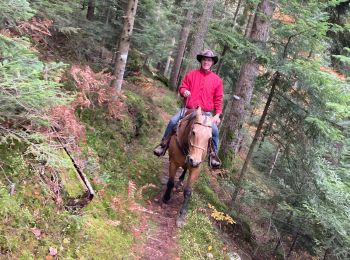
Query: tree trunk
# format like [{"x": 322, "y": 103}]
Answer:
[
  {"x": 124, "y": 44},
  {"x": 256, "y": 137},
  {"x": 236, "y": 13},
  {"x": 272, "y": 167},
  {"x": 185, "y": 30},
  {"x": 224, "y": 50},
  {"x": 108, "y": 14},
  {"x": 226, "y": 47},
  {"x": 244, "y": 86},
  {"x": 167, "y": 65},
  {"x": 249, "y": 26},
  {"x": 326, "y": 252},
  {"x": 91, "y": 10},
  {"x": 200, "y": 34},
  {"x": 277, "y": 246},
  {"x": 293, "y": 244}
]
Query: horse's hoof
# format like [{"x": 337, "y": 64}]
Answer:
[
  {"x": 165, "y": 200},
  {"x": 179, "y": 186},
  {"x": 162, "y": 204},
  {"x": 180, "y": 221}
]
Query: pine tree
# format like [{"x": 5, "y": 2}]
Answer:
[
  {"x": 235, "y": 117},
  {"x": 124, "y": 44},
  {"x": 181, "y": 46}
]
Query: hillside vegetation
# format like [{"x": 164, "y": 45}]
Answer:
[{"x": 78, "y": 178}]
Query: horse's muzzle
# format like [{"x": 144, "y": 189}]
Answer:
[{"x": 192, "y": 162}]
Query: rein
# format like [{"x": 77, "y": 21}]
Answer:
[{"x": 183, "y": 109}]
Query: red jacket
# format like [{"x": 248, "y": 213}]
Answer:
[{"x": 206, "y": 90}]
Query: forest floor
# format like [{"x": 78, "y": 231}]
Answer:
[
  {"x": 159, "y": 228},
  {"x": 157, "y": 225}
]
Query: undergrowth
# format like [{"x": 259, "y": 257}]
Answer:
[
  {"x": 116, "y": 152},
  {"x": 200, "y": 238}
]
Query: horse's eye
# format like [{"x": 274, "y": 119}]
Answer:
[{"x": 193, "y": 133}]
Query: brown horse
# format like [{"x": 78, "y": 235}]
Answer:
[{"x": 187, "y": 149}]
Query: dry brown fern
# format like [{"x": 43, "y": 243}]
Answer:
[
  {"x": 37, "y": 28},
  {"x": 94, "y": 90}
]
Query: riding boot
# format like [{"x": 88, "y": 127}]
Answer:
[
  {"x": 162, "y": 147},
  {"x": 214, "y": 161}
]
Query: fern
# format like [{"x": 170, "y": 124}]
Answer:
[{"x": 13, "y": 11}]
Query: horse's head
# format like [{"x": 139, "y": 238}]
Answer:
[{"x": 198, "y": 138}]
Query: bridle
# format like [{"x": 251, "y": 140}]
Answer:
[
  {"x": 190, "y": 142},
  {"x": 185, "y": 148}
]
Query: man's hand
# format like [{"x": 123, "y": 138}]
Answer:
[
  {"x": 216, "y": 119},
  {"x": 187, "y": 93}
]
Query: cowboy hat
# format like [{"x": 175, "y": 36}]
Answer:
[{"x": 209, "y": 54}]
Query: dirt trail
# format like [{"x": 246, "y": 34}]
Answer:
[{"x": 158, "y": 226}]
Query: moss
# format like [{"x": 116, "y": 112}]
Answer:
[
  {"x": 14, "y": 220},
  {"x": 104, "y": 241},
  {"x": 71, "y": 182},
  {"x": 208, "y": 195},
  {"x": 162, "y": 78},
  {"x": 135, "y": 61},
  {"x": 139, "y": 112},
  {"x": 226, "y": 159},
  {"x": 168, "y": 103}
]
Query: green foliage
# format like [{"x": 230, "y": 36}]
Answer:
[
  {"x": 322, "y": 128},
  {"x": 262, "y": 158},
  {"x": 59, "y": 11},
  {"x": 27, "y": 86},
  {"x": 13, "y": 11},
  {"x": 153, "y": 29}
]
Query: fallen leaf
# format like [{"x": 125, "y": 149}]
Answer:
[
  {"x": 52, "y": 251},
  {"x": 36, "y": 232},
  {"x": 114, "y": 223},
  {"x": 210, "y": 248}
]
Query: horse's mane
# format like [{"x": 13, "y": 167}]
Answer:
[{"x": 183, "y": 129}]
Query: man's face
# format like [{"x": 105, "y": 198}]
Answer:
[{"x": 206, "y": 63}]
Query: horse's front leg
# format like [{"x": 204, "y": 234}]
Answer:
[
  {"x": 193, "y": 176},
  {"x": 179, "y": 183},
  {"x": 170, "y": 185}
]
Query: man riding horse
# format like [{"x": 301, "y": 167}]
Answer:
[{"x": 200, "y": 88}]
